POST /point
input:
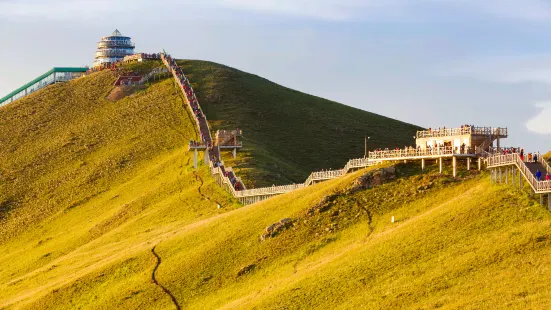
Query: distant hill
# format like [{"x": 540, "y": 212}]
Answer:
[{"x": 288, "y": 134}]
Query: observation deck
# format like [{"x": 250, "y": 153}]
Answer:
[{"x": 113, "y": 48}]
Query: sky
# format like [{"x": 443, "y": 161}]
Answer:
[{"x": 432, "y": 63}]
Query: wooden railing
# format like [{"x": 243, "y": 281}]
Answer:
[
  {"x": 514, "y": 159},
  {"x": 403, "y": 153},
  {"x": 467, "y": 130}
]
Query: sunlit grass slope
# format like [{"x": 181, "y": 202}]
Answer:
[
  {"x": 287, "y": 134},
  {"x": 86, "y": 183},
  {"x": 456, "y": 243}
]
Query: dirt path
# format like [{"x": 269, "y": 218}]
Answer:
[{"x": 154, "y": 279}]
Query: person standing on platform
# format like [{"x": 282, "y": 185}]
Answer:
[{"x": 538, "y": 175}]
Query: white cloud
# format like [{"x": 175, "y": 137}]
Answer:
[{"x": 541, "y": 123}]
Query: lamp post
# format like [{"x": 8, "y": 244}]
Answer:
[{"x": 366, "y": 138}]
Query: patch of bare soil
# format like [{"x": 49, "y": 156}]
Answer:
[{"x": 121, "y": 92}]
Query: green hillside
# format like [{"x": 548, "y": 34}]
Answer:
[
  {"x": 455, "y": 243},
  {"x": 287, "y": 134},
  {"x": 100, "y": 208}
]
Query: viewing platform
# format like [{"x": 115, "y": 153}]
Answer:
[{"x": 229, "y": 139}]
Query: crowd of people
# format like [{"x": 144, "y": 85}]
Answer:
[{"x": 206, "y": 138}]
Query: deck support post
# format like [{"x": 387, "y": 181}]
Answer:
[
  {"x": 422, "y": 164},
  {"x": 440, "y": 161},
  {"x": 454, "y": 164},
  {"x": 520, "y": 180},
  {"x": 507, "y": 175},
  {"x": 195, "y": 158},
  {"x": 513, "y": 175},
  {"x": 468, "y": 163},
  {"x": 234, "y": 153},
  {"x": 207, "y": 157},
  {"x": 541, "y": 200},
  {"x": 549, "y": 201},
  {"x": 479, "y": 164}
]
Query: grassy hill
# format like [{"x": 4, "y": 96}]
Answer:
[
  {"x": 100, "y": 208},
  {"x": 547, "y": 155},
  {"x": 456, "y": 243},
  {"x": 287, "y": 134}
]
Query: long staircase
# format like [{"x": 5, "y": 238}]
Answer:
[
  {"x": 527, "y": 170},
  {"x": 225, "y": 176}
]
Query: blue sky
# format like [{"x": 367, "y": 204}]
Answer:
[{"x": 428, "y": 62}]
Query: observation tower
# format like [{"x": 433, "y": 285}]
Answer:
[{"x": 113, "y": 48}]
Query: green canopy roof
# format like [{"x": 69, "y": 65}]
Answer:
[{"x": 43, "y": 76}]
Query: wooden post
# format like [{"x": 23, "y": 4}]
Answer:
[
  {"x": 513, "y": 174},
  {"x": 520, "y": 180},
  {"x": 440, "y": 159},
  {"x": 454, "y": 164},
  {"x": 549, "y": 201},
  {"x": 506, "y": 175},
  {"x": 234, "y": 153},
  {"x": 195, "y": 158},
  {"x": 541, "y": 199},
  {"x": 206, "y": 158},
  {"x": 468, "y": 163},
  {"x": 422, "y": 164},
  {"x": 479, "y": 164}
]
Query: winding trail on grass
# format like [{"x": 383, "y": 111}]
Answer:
[
  {"x": 198, "y": 178},
  {"x": 174, "y": 301}
]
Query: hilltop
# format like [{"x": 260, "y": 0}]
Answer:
[{"x": 287, "y": 134}]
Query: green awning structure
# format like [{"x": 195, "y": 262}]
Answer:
[{"x": 55, "y": 75}]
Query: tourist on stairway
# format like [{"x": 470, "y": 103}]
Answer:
[{"x": 538, "y": 175}]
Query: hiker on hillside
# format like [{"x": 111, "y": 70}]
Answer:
[
  {"x": 538, "y": 175},
  {"x": 535, "y": 157}
]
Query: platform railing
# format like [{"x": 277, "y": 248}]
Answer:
[
  {"x": 403, "y": 153},
  {"x": 467, "y": 130}
]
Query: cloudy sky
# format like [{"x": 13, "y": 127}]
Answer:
[{"x": 428, "y": 62}]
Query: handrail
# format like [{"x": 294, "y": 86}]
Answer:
[
  {"x": 411, "y": 152},
  {"x": 544, "y": 163}
]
